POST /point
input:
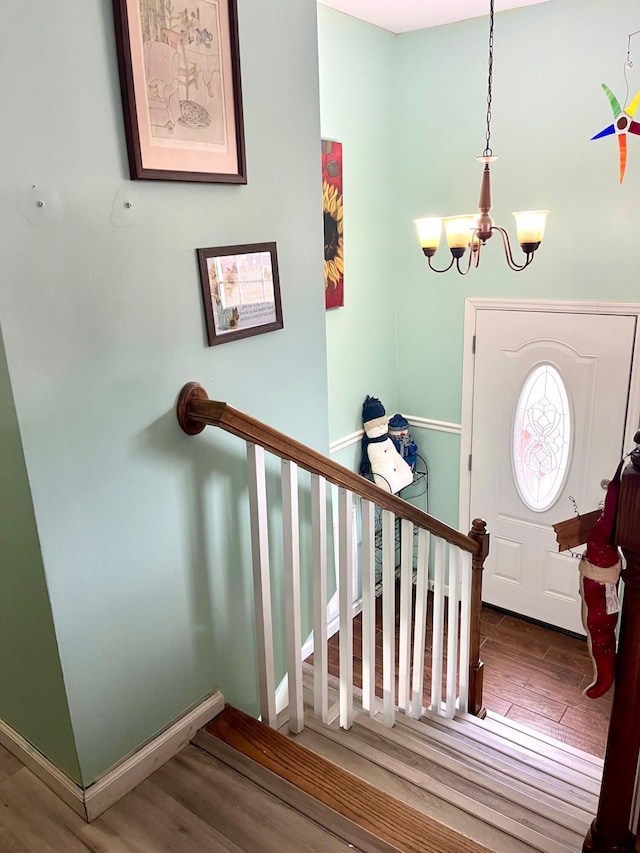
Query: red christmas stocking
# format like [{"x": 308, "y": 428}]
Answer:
[{"x": 599, "y": 574}]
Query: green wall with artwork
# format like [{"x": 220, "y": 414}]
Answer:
[
  {"x": 356, "y": 106},
  {"x": 141, "y": 531}
]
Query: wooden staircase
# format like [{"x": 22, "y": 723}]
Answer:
[{"x": 428, "y": 786}]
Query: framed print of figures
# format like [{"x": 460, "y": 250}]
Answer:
[
  {"x": 241, "y": 291},
  {"x": 181, "y": 91}
]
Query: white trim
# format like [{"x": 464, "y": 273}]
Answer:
[
  {"x": 108, "y": 789},
  {"x": 437, "y": 426},
  {"x": 346, "y": 441},
  {"x": 45, "y": 770},
  {"x": 414, "y": 420},
  {"x": 472, "y": 306}
]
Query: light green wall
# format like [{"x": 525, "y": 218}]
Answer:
[
  {"x": 356, "y": 105},
  {"x": 143, "y": 530},
  {"x": 30, "y": 672},
  {"x": 550, "y": 62}
]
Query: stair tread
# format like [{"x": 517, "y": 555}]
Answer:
[
  {"x": 496, "y": 749},
  {"x": 580, "y": 760},
  {"x": 493, "y": 764},
  {"x": 384, "y": 816},
  {"x": 513, "y": 812},
  {"x": 418, "y": 798},
  {"x": 484, "y": 741},
  {"x": 542, "y": 796}
]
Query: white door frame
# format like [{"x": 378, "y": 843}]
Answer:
[{"x": 472, "y": 306}]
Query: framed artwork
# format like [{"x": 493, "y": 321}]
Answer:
[
  {"x": 241, "y": 291},
  {"x": 332, "y": 211},
  {"x": 181, "y": 91}
]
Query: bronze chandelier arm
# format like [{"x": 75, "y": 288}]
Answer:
[
  {"x": 509, "y": 255},
  {"x": 446, "y": 269}
]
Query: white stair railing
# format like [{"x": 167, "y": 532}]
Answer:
[{"x": 436, "y": 569}]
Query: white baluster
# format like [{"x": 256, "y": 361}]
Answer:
[
  {"x": 319, "y": 568},
  {"x": 261, "y": 583},
  {"x": 388, "y": 616},
  {"x": 438, "y": 624},
  {"x": 465, "y": 630},
  {"x": 368, "y": 607},
  {"x": 406, "y": 584},
  {"x": 291, "y": 555},
  {"x": 452, "y": 630},
  {"x": 346, "y": 607},
  {"x": 420, "y": 623}
]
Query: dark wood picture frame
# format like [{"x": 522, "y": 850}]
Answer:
[
  {"x": 240, "y": 290},
  {"x": 181, "y": 90}
]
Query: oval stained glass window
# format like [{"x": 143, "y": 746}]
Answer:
[{"x": 542, "y": 438}]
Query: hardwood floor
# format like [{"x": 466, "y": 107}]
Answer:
[
  {"x": 532, "y": 675},
  {"x": 536, "y": 676}
]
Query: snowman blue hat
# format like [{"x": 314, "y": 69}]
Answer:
[
  {"x": 372, "y": 409},
  {"x": 398, "y": 422}
]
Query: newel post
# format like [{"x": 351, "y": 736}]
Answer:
[
  {"x": 476, "y": 667},
  {"x": 609, "y": 832}
]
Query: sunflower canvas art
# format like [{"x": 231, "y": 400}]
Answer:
[{"x": 332, "y": 211}]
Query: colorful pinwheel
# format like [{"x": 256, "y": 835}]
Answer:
[{"x": 623, "y": 124}]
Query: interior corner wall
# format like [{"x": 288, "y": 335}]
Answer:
[
  {"x": 143, "y": 529},
  {"x": 356, "y": 109},
  {"x": 30, "y": 672}
]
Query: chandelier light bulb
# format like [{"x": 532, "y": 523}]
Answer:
[{"x": 429, "y": 230}]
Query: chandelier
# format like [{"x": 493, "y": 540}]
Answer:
[{"x": 472, "y": 231}]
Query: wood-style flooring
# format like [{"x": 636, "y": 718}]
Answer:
[
  {"x": 532, "y": 675},
  {"x": 193, "y": 804}
]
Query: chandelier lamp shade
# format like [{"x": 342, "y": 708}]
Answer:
[{"x": 471, "y": 231}]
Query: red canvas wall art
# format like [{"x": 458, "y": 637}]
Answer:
[{"x": 332, "y": 210}]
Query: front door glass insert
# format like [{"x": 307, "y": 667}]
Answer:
[{"x": 542, "y": 438}]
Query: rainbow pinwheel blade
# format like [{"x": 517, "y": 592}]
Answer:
[
  {"x": 615, "y": 104},
  {"x": 606, "y": 132},
  {"x": 633, "y": 106},
  {"x": 622, "y": 142}
]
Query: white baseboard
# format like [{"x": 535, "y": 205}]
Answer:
[
  {"x": 91, "y": 802},
  {"x": 45, "y": 770}
]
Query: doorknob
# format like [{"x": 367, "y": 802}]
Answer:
[{"x": 604, "y": 483}]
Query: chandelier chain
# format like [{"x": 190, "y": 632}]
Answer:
[{"x": 487, "y": 151}]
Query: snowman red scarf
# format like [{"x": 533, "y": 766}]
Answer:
[{"x": 599, "y": 575}]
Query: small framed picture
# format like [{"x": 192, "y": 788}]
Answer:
[
  {"x": 241, "y": 291},
  {"x": 181, "y": 90}
]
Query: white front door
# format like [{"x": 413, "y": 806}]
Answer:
[{"x": 550, "y": 397}]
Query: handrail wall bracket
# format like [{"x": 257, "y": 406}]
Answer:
[{"x": 191, "y": 391}]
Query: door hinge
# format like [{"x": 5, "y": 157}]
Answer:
[
  {"x": 469, "y": 461},
  {"x": 473, "y": 345}
]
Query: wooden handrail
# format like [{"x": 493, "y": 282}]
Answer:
[{"x": 195, "y": 411}]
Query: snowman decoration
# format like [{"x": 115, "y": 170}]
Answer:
[{"x": 380, "y": 459}]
